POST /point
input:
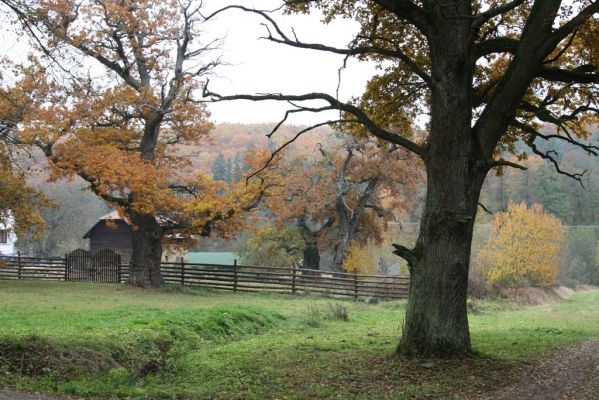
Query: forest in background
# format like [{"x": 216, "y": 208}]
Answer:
[{"x": 224, "y": 157}]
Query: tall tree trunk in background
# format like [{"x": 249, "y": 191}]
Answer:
[
  {"x": 346, "y": 236},
  {"x": 436, "y": 322},
  {"x": 311, "y": 251},
  {"x": 502, "y": 206},
  {"x": 310, "y": 235},
  {"x": 348, "y": 221},
  {"x": 311, "y": 256},
  {"x": 147, "y": 251}
]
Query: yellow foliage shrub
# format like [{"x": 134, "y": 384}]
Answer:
[
  {"x": 523, "y": 249},
  {"x": 360, "y": 260}
]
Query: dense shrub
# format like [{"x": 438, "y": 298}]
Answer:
[{"x": 523, "y": 248}]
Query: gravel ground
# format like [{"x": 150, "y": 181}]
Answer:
[
  {"x": 6, "y": 394},
  {"x": 571, "y": 373}
]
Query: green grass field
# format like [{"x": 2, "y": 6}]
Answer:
[{"x": 178, "y": 343}]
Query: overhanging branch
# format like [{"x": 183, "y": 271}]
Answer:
[
  {"x": 570, "y": 76},
  {"x": 283, "y": 38},
  {"x": 550, "y": 155},
  {"x": 361, "y": 117},
  {"x": 491, "y": 13},
  {"x": 506, "y": 163}
]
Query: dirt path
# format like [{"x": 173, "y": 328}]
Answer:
[
  {"x": 571, "y": 373},
  {"x": 6, "y": 394}
]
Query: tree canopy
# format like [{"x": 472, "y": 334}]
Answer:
[{"x": 119, "y": 126}]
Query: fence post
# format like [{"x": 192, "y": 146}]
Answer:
[
  {"x": 355, "y": 286},
  {"x": 235, "y": 275},
  {"x": 66, "y": 270},
  {"x": 293, "y": 278},
  {"x": 19, "y": 266},
  {"x": 182, "y": 272}
]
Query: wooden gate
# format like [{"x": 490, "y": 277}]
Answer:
[{"x": 82, "y": 266}]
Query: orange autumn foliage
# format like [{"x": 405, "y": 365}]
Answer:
[
  {"x": 20, "y": 205},
  {"x": 359, "y": 260},
  {"x": 122, "y": 131},
  {"x": 344, "y": 195}
]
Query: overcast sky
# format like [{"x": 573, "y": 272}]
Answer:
[{"x": 260, "y": 66}]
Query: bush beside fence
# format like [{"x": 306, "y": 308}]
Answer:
[{"x": 237, "y": 278}]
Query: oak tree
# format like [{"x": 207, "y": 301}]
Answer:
[
  {"x": 120, "y": 128},
  {"x": 344, "y": 197},
  {"x": 487, "y": 73}
]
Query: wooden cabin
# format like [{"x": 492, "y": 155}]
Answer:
[
  {"x": 114, "y": 232},
  {"x": 111, "y": 232}
]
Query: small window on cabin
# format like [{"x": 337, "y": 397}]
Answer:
[{"x": 3, "y": 236}]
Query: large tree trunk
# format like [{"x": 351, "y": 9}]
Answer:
[
  {"x": 436, "y": 322},
  {"x": 311, "y": 256},
  {"x": 341, "y": 252},
  {"x": 147, "y": 251},
  {"x": 311, "y": 252}
]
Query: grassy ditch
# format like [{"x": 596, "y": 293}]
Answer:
[{"x": 120, "y": 342}]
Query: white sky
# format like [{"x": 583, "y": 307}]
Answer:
[{"x": 260, "y": 66}]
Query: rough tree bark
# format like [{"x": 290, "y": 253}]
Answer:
[
  {"x": 147, "y": 251},
  {"x": 436, "y": 319}
]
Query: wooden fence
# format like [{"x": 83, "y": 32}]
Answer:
[{"x": 237, "y": 278}]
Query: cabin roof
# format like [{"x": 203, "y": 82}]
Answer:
[{"x": 113, "y": 216}]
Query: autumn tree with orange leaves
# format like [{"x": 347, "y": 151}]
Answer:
[
  {"x": 346, "y": 195},
  {"x": 523, "y": 248},
  {"x": 20, "y": 205},
  {"x": 119, "y": 130}
]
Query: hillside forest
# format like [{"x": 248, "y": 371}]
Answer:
[{"x": 298, "y": 222}]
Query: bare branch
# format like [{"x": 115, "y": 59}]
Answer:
[
  {"x": 405, "y": 253},
  {"x": 548, "y": 155},
  {"x": 506, "y": 163},
  {"x": 570, "y": 76},
  {"x": 571, "y": 26},
  {"x": 497, "y": 45},
  {"x": 361, "y": 50},
  {"x": 284, "y": 145},
  {"x": 361, "y": 117},
  {"x": 481, "y": 205},
  {"x": 491, "y": 13}
]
